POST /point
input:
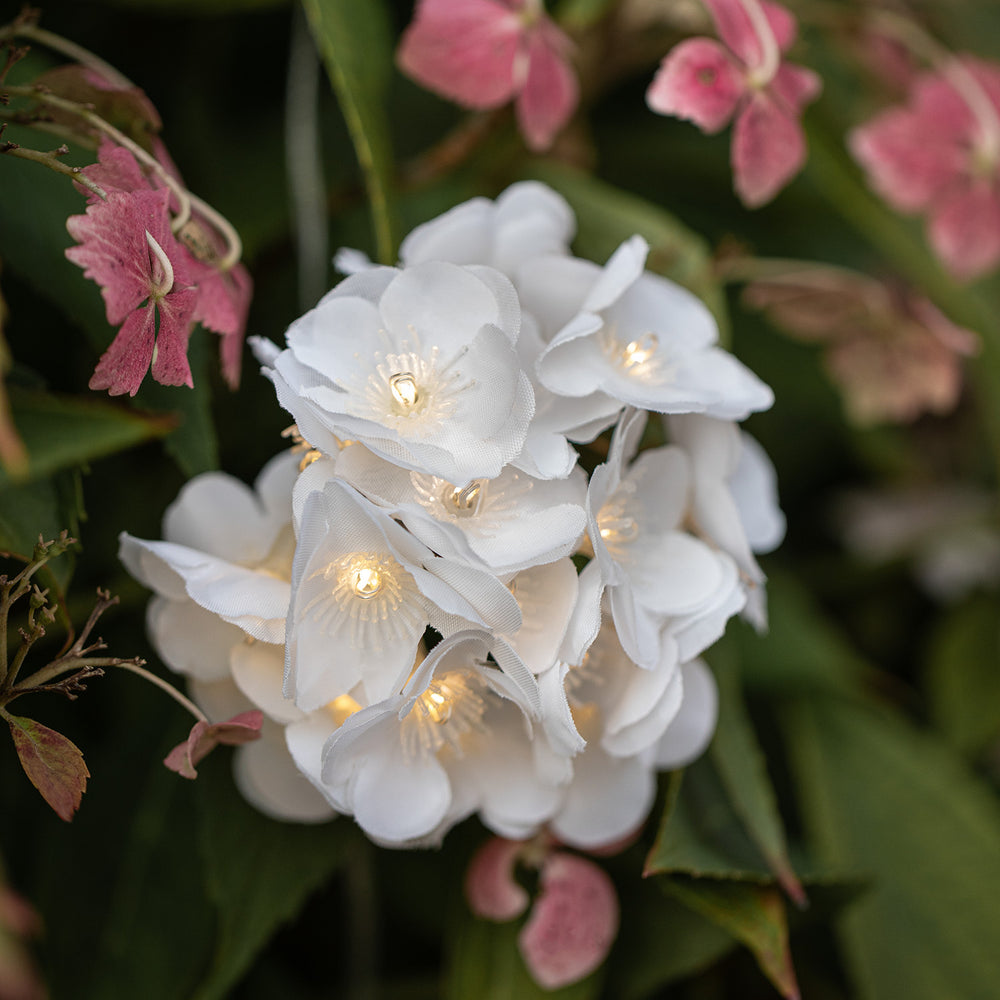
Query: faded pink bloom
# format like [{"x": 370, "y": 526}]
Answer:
[
  {"x": 19, "y": 979},
  {"x": 573, "y": 923},
  {"x": 892, "y": 353},
  {"x": 939, "y": 154},
  {"x": 574, "y": 919},
  {"x": 127, "y": 247},
  {"x": 744, "y": 80},
  {"x": 222, "y": 296},
  {"x": 205, "y": 737},
  {"x": 484, "y": 53}
]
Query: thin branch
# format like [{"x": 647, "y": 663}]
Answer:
[
  {"x": 52, "y": 161},
  {"x": 134, "y": 668}
]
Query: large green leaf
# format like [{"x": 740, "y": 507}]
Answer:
[
  {"x": 356, "y": 45},
  {"x": 484, "y": 962},
  {"x": 802, "y": 651},
  {"x": 260, "y": 871},
  {"x": 962, "y": 680},
  {"x": 60, "y": 432},
  {"x": 44, "y": 507},
  {"x": 700, "y": 833},
  {"x": 740, "y": 764},
  {"x": 753, "y": 914},
  {"x": 606, "y": 216},
  {"x": 158, "y": 932},
  {"x": 880, "y": 796},
  {"x": 660, "y": 941}
]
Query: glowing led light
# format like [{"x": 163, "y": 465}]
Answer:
[
  {"x": 638, "y": 352},
  {"x": 403, "y": 387},
  {"x": 342, "y": 708},
  {"x": 618, "y": 528},
  {"x": 366, "y": 581},
  {"x": 465, "y": 500}
]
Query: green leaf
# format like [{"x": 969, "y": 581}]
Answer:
[
  {"x": 880, "y": 796},
  {"x": 660, "y": 941},
  {"x": 607, "y": 216},
  {"x": 186, "y": 8},
  {"x": 44, "y": 507},
  {"x": 260, "y": 871},
  {"x": 700, "y": 834},
  {"x": 156, "y": 939},
  {"x": 579, "y": 14},
  {"x": 483, "y": 961},
  {"x": 53, "y": 764},
  {"x": 740, "y": 764},
  {"x": 355, "y": 42},
  {"x": 34, "y": 239},
  {"x": 802, "y": 651},
  {"x": 754, "y": 915},
  {"x": 961, "y": 679},
  {"x": 63, "y": 431}
]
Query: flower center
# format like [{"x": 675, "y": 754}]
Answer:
[
  {"x": 373, "y": 597},
  {"x": 446, "y": 713},
  {"x": 403, "y": 387},
  {"x": 465, "y": 502},
  {"x": 616, "y": 526},
  {"x": 639, "y": 357}
]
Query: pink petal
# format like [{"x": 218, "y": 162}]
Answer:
[
  {"x": 768, "y": 150},
  {"x": 170, "y": 363},
  {"x": 736, "y": 29},
  {"x": 573, "y": 923},
  {"x": 550, "y": 93},
  {"x": 230, "y": 320},
  {"x": 124, "y": 364},
  {"x": 904, "y": 167},
  {"x": 114, "y": 251},
  {"x": 940, "y": 110},
  {"x": 464, "y": 50},
  {"x": 116, "y": 170},
  {"x": 205, "y": 737},
  {"x": 697, "y": 80},
  {"x": 490, "y": 887},
  {"x": 965, "y": 230},
  {"x": 795, "y": 86}
]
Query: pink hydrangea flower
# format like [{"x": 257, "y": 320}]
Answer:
[
  {"x": 127, "y": 247},
  {"x": 222, "y": 297},
  {"x": 206, "y": 736},
  {"x": 744, "y": 80},
  {"x": 484, "y": 53},
  {"x": 939, "y": 154},
  {"x": 574, "y": 919}
]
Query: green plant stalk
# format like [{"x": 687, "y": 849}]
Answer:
[{"x": 841, "y": 184}]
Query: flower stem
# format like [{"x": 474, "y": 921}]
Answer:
[
  {"x": 27, "y": 29},
  {"x": 163, "y": 686},
  {"x": 770, "y": 54},
  {"x": 52, "y": 161}
]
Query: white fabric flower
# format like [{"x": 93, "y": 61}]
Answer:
[
  {"x": 228, "y": 552},
  {"x": 363, "y": 592},
  {"x": 419, "y": 365},
  {"x": 656, "y": 574},
  {"x": 526, "y": 221},
  {"x": 636, "y": 337},
  {"x": 457, "y": 740},
  {"x": 734, "y": 503},
  {"x": 510, "y": 522}
]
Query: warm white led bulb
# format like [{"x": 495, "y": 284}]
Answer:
[
  {"x": 403, "y": 387},
  {"x": 465, "y": 501},
  {"x": 366, "y": 581},
  {"x": 638, "y": 352}
]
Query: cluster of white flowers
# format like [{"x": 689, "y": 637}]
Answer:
[{"x": 438, "y": 611}]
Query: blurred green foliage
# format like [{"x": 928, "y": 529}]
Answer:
[{"x": 862, "y": 735}]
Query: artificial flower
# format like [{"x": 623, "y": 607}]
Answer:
[
  {"x": 939, "y": 155},
  {"x": 484, "y": 53},
  {"x": 419, "y": 365},
  {"x": 635, "y": 337},
  {"x": 744, "y": 80}
]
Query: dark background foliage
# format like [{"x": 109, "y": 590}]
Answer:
[{"x": 877, "y": 709}]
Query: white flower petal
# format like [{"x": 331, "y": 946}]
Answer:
[{"x": 691, "y": 729}]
